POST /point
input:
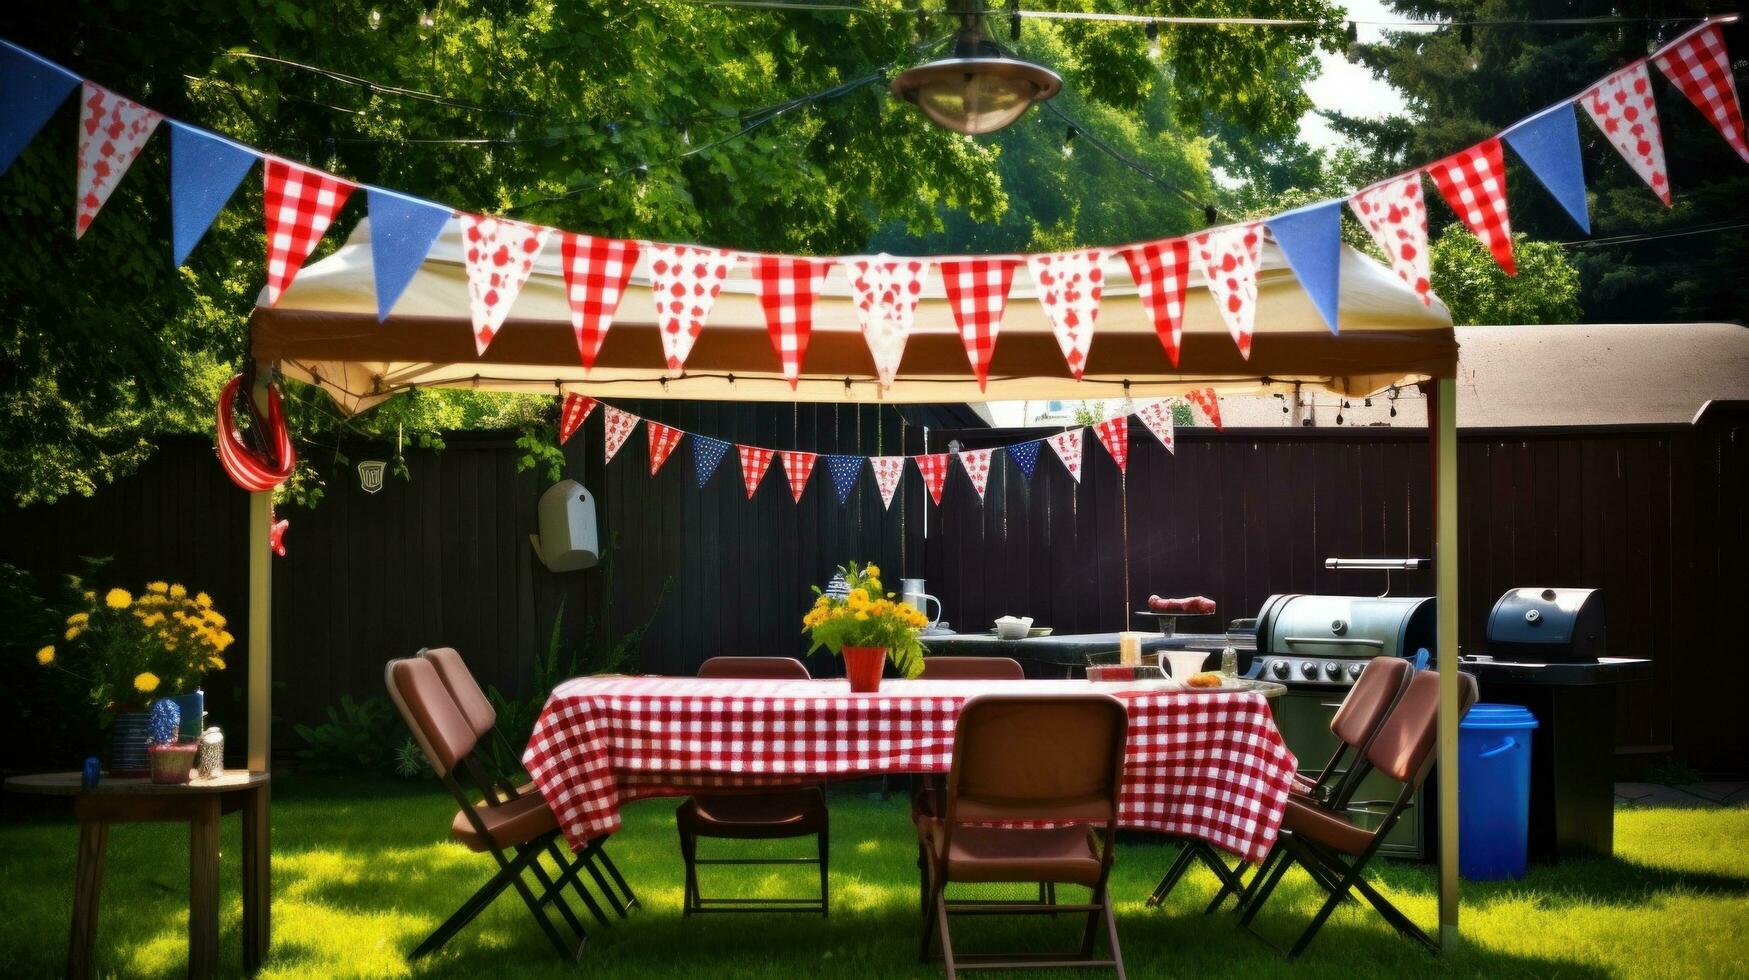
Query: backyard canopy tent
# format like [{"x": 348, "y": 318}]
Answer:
[{"x": 325, "y": 331}]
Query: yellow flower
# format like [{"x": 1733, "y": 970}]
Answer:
[
  {"x": 72, "y": 633},
  {"x": 214, "y": 618},
  {"x": 158, "y": 587},
  {"x": 224, "y": 641},
  {"x": 78, "y": 619},
  {"x": 872, "y": 570},
  {"x": 152, "y": 619},
  {"x": 178, "y": 592},
  {"x": 216, "y": 663},
  {"x": 862, "y": 617},
  {"x": 118, "y": 599},
  {"x": 203, "y": 600},
  {"x": 45, "y": 656},
  {"x": 89, "y": 596},
  {"x": 146, "y": 683}
]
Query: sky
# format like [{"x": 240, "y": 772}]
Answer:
[{"x": 1347, "y": 86}]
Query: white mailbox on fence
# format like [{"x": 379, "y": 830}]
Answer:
[{"x": 568, "y": 540}]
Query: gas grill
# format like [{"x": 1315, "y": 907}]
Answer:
[{"x": 1324, "y": 641}]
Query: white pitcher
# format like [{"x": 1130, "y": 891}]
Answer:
[{"x": 911, "y": 594}]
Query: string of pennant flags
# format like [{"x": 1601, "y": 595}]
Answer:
[
  {"x": 300, "y": 202},
  {"x": 845, "y": 470}
]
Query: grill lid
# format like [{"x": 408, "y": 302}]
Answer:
[
  {"x": 1548, "y": 625},
  {"x": 1349, "y": 627}
]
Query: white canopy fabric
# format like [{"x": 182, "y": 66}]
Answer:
[{"x": 325, "y": 331}]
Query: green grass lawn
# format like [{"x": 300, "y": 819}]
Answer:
[{"x": 363, "y": 871}]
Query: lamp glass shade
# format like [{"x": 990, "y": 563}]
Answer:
[{"x": 976, "y": 95}]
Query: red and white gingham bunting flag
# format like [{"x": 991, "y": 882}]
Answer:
[
  {"x": 684, "y": 282},
  {"x": 1160, "y": 270},
  {"x": 933, "y": 467},
  {"x": 977, "y": 466},
  {"x": 618, "y": 427},
  {"x": 596, "y": 273},
  {"x": 1473, "y": 182},
  {"x": 112, "y": 131},
  {"x": 1623, "y": 107},
  {"x": 1114, "y": 435},
  {"x": 886, "y": 290},
  {"x": 1229, "y": 258},
  {"x": 977, "y": 291},
  {"x": 797, "y": 467},
  {"x": 1697, "y": 64},
  {"x": 754, "y": 463},
  {"x": 1069, "y": 285},
  {"x": 576, "y": 409},
  {"x": 1205, "y": 399},
  {"x": 1395, "y": 214},
  {"x": 787, "y": 287},
  {"x": 499, "y": 255},
  {"x": 299, "y": 204},
  {"x": 663, "y": 439},
  {"x": 887, "y": 471},
  {"x": 1070, "y": 449},
  {"x": 1157, "y": 416}
]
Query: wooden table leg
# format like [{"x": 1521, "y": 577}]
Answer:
[
  {"x": 203, "y": 889},
  {"x": 257, "y": 880},
  {"x": 87, "y": 883}
]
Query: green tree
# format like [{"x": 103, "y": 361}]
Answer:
[{"x": 1478, "y": 291}]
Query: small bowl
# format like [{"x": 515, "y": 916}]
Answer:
[
  {"x": 1183, "y": 663},
  {"x": 1013, "y": 627}
]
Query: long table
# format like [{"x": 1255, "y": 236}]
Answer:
[{"x": 1211, "y": 766}]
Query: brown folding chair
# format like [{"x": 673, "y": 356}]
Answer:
[
  {"x": 1355, "y": 723},
  {"x": 483, "y": 719},
  {"x": 1053, "y": 760},
  {"x": 516, "y": 832},
  {"x": 775, "y": 814},
  {"x": 1331, "y": 847}
]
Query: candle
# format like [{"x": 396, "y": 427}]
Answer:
[{"x": 1129, "y": 649}]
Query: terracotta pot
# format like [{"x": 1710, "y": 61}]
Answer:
[
  {"x": 171, "y": 763},
  {"x": 863, "y": 666}
]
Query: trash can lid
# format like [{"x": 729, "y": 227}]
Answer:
[{"x": 1495, "y": 716}]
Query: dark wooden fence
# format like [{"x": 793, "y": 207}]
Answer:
[{"x": 1652, "y": 516}]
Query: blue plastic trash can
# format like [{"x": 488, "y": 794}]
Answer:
[{"x": 1494, "y": 791}]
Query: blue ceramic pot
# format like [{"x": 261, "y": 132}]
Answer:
[
  {"x": 193, "y": 708},
  {"x": 128, "y": 736}
]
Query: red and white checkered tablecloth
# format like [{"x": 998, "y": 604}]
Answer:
[{"x": 1205, "y": 765}]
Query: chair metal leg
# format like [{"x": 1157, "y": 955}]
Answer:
[
  {"x": 1318, "y": 920},
  {"x": 631, "y": 898},
  {"x": 825, "y": 889},
  {"x": 541, "y": 917},
  {"x": 1111, "y": 937},
  {"x": 946, "y": 939},
  {"x": 476, "y": 903},
  {"x": 1394, "y": 915},
  {"x": 689, "y": 855},
  {"x": 1169, "y": 880},
  {"x": 1249, "y": 896},
  {"x": 571, "y": 873},
  {"x": 555, "y": 894},
  {"x": 1253, "y": 904}
]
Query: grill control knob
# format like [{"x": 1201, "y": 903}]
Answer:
[
  {"x": 1354, "y": 671},
  {"x": 1309, "y": 670},
  {"x": 1333, "y": 671},
  {"x": 1278, "y": 668}
]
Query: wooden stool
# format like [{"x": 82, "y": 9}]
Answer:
[{"x": 200, "y": 803}]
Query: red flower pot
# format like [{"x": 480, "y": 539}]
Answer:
[{"x": 863, "y": 666}]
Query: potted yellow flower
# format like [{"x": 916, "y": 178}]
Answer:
[
  {"x": 134, "y": 650},
  {"x": 867, "y": 627}
]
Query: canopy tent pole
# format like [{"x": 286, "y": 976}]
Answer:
[
  {"x": 1443, "y": 421},
  {"x": 260, "y": 628}
]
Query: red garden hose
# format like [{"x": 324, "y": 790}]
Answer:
[{"x": 249, "y": 468}]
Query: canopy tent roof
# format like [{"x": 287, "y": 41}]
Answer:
[{"x": 325, "y": 331}]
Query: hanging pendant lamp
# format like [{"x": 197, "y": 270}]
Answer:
[{"x": 978, "y": 89}]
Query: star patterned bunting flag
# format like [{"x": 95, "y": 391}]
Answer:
[
  {"x": 797, "y": 467},
  {"x": 1160, "y": 270},
  {"x": 1157, "y": 416},
  {"x": 886, "y": 291},
  {"x": 1205, "y": 399},
  {"x": 1070, "y": 450},
  {"x": 499, "y": 256},
  {"x": 706, "y": 454},
  {"x": 977, "y": 466},
  {"x": 754, "y": 463},
  {"x": 1229, "y": 258},
  {"x": 977, "y": 291},
  {"x": 617, "y": 427},
  {"x": 663, "y": 439},
  {"x": 1114, "y": 435},
  {"x": 576, "y": 409},
  {"x": 1068, "y": 285},
  {"x": 1025, "y": 456},
  {"x": 1697, "y": 64},
  {"x": 1395, "y": 214},
  {"x": 787, "y": 287},
  {"x": 596, "y": 272},
  {"x": 844, "y": 470},
  {"x": 1473, "y": 182},
  {"x": 1623, "y": 108},
  {"x": 887, "y": 471},
  {"x": 112, "y": 131},
  {"x": 684, "y": 283},
  {"x": 933, "y": 467},
  {"x": 298, "y": 204}
]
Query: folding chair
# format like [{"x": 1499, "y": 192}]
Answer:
[
  {"x": 1355, "y": 723},
  {"x": 1032, "y": 797},
  {"x": 1332, "y": 849},
  {"x": 483, "y": 719},
  {"x": 759, "y": 815},
  {"x": 516, "y": 833}
]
